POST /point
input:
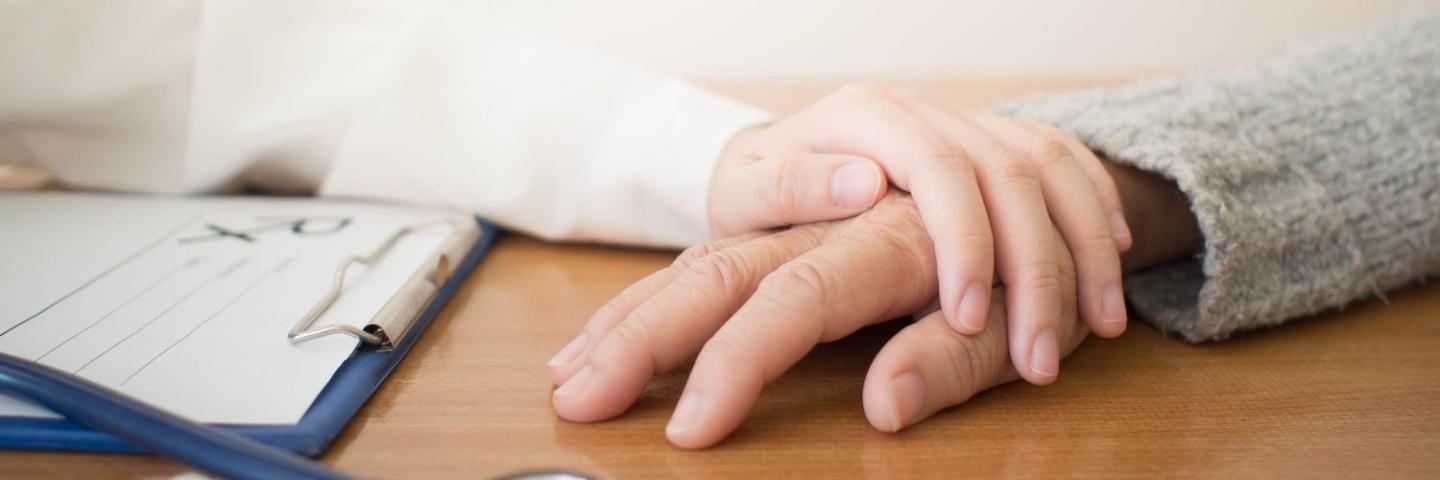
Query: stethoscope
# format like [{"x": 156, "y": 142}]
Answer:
[{"x": 208, "y": 449}]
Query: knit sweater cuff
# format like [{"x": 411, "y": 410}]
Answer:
[
  {"x": 1204, "y": 298},
  {"x": 1313, "y": 176}
]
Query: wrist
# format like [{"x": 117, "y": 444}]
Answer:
[{"x": 1161, "y": 222}]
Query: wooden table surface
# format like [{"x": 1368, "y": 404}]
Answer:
[{"x": 1354, "y": 393}]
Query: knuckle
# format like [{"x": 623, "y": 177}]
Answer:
[
  {"x": 1051, "y": 153},
  {"x": 1096, "y": 239},
  {"x": 806, "y": 236},
  {"x": 803, "y": 290},
  {"x": 1041, "y": 276},
  {"x": 797, "y": 284},
  {"x": 633, "y": 336},
  {"x": 900, "y": 233},
  {"x": 982, "y": 358},
  {"x": 966, "y": 365},
  {"x": 976, "y": 238},
  {"x": 723, "y": 272},
  {"x": 938, "y": 151},
  {"x": 1008, "y": 170},
  {"x": 780, "y": 196},
  {"x": 693, "y": 254},
  {"x": 909, "y": 250},
  {"x": 631, "y": 333},
  {"x": 901, "y": 222},
  {"x": 895, "y": 217},
  {"x": 904, "y": 266},
  {"x": 970, "y": 361},
  {"x": 797, "y": 287},
  {"x": 619, "y": 306}
]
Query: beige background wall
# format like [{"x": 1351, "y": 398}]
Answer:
[{"x": 727, "y": 39}]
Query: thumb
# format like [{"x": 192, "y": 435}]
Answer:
[
  {"x": 929, "y": 367},
  {"x": 792, "y": 189}
]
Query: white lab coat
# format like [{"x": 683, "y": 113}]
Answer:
[{"x": 421, "y": 102}]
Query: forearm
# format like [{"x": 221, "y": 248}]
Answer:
[{"x": 1161, "y": 222}]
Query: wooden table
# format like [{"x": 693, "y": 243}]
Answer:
[{"x": 1347, "y": 394}]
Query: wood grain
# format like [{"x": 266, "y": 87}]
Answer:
[{"x": 1354, "y": 393}]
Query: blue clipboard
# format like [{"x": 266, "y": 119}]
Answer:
[{"x": 348, "y": 390}]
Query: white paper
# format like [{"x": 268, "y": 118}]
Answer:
[{"x": 185, "y": 302}]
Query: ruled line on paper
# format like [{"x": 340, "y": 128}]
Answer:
[
  {"x": 193, "y": 262},
  {"x": 228, "y": 270},
  {"x": 151, "y": 246},
  {"x": 223, "y": 308}
]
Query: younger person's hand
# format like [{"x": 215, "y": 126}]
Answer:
[
  {"x": 752, "y": 194},
  {"x": 990, "y": 190}
]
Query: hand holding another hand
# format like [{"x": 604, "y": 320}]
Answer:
[
  {"x": 747, "y": 307},
  {"x": 990, "y": 190}
]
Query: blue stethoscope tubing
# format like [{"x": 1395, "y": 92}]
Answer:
[{"x": 211, "y": 450}]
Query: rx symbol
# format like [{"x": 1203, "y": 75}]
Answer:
[{"x": 301, "y": 226}]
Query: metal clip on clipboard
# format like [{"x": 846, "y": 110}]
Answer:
[{"x": 390, "y": 325}]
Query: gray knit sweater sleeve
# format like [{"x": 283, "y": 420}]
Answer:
[{"x": 1315, "y": 177}]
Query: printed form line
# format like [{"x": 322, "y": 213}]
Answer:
[
  {"x": 202, "y": 323},
  {"x": 108, "y": 271},
  {"x": 167, "y": 310},
  {"x": 132, "y": 299}
]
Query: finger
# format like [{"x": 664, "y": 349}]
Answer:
[
  {"x": 565, "y": 363},
  {"x": 1077, "y": 210},
  {"x": 928, "y": 367},
  {"x": 669, "y": 328},
  {"x": 919, "y": 158},
  {"x": 793, "y": 189},
  {"x": 1100, "y": 180},
  {"x": 821, "y": 296},
  {"x": 1025, "y": 244}
]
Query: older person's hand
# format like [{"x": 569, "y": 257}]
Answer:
[{"x": 747, "y": 308}]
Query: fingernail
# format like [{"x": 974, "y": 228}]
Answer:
[
  {"x": 687, "y": 414},
  {"x": 853, "y": 186},
  {"x": 1118, "y": 225},
  {"x": 1112, "y": 305},
  {"x": 1045, "y": 354},
  {"x": 576, "y": 384},
  {"x": 570, "y": 352},
  {"x": 907, "y": 395},
  {"x": 971, "y": 313}
]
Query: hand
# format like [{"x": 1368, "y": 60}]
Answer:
[
  {"x": 753, "y": 194},
  {"x": 747, "y": 308},
  {"x": 970, "y": 172}
]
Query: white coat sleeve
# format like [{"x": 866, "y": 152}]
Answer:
[{"x": 427, "y": 103}]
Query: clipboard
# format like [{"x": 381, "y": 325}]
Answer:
[{"x": 386, "y": 340}]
